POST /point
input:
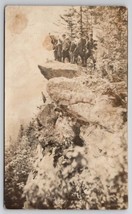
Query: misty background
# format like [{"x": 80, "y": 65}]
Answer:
[{"x": 26, "y": 30}]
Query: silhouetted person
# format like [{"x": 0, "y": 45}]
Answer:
[{"x": 65, "y": 48}]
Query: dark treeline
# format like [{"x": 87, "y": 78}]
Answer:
[{"x": 99, "y": 34}]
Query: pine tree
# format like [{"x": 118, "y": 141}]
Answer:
[
  {"x": 69, "y": 20},
  {"x": 110, "y": 26},
  {"x": 86, "y": 21}
]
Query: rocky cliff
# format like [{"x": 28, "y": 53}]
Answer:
[{"x": 80, "y": 138}]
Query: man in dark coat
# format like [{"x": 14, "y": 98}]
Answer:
[
  {"x": 73, "y": 46},
  {"x": 54, "y": 42},
  {"x": 65, "y": 48},
  {"x": 81, "y": 49}
]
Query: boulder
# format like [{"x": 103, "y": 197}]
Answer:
[
  {"x": 55, "y": 127},
  {"x": 47, "y": 116},
  {"x": 88, "y": 99},
  {"x": 59, "y": 69}
]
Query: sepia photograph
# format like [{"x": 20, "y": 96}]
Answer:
[{"x": 66, "y": 104}]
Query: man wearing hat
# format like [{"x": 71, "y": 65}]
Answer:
[
  {"x": 73, "y": 46},
  {"x": 65, "y": 48}
]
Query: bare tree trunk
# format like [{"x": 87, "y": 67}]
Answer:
[{"x": 81, "y": 21}]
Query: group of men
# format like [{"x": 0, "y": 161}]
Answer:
[{"x": 71, "y": 49}]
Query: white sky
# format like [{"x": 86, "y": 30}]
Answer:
[{"x": 23, "y": 52}]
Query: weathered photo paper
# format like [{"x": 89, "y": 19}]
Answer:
[{"x": 66, "y": 107}]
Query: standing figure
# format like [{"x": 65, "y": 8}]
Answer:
[
  {"x": 65, "y": 48},
  {"x": 59, "y": 50},
  {"x": 73, "y": 46},
  {"x": 54, "y": 42},
  {"x": 81, "y": 50}
]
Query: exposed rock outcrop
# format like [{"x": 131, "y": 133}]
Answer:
[
  {"x": 55, "y": 69},
  {"x": 82, "y": 135},
  {"x": 92, "y": 99}
]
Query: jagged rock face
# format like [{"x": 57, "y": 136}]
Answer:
[
  {"x": 55, "y": 126},
  {"x": 60, "y": 168},
  {"x": 66, "y": 92},
  {"x": 88, "y": 99},
  {"x": 47, "y": 116},
  {"x": 105, "y": 149},
  {"x": 55, "y": 69},
  {"x": 81, "y": 160}
]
